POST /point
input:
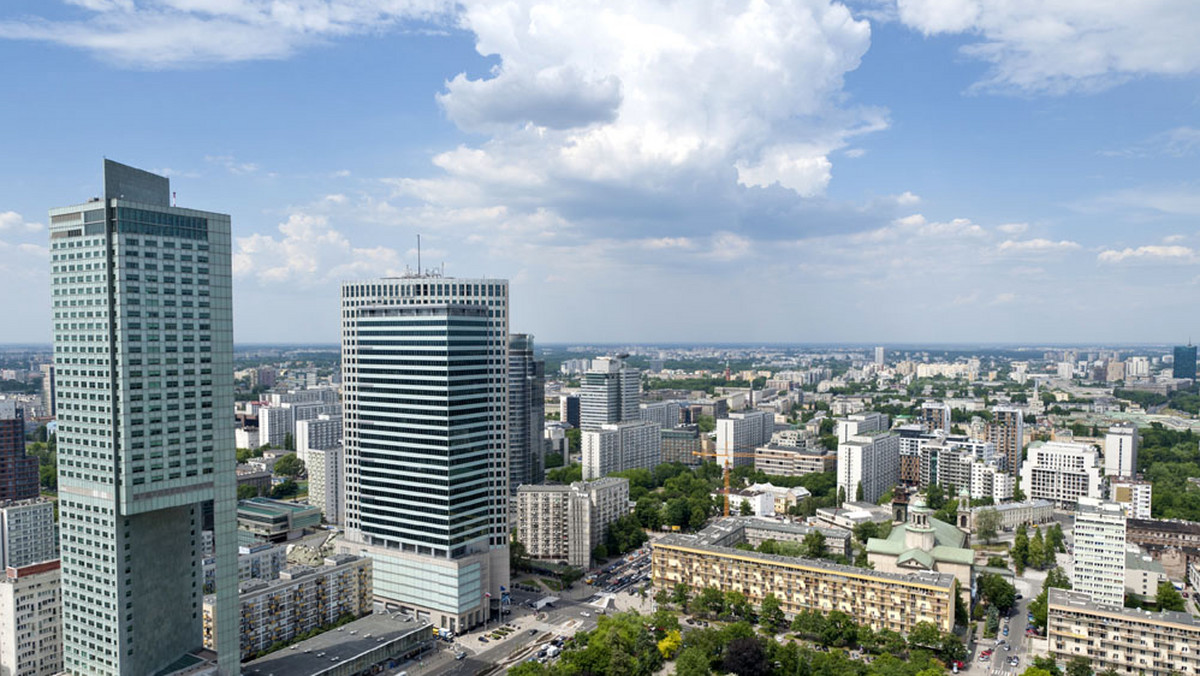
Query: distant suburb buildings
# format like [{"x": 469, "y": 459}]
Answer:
[
  {"x": 425, "y": 362},
  {"x": 143, "y": 352},
  {"x": 563, "y": 524}
]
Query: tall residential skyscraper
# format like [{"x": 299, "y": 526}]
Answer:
[
  {"x": 526, "y": 412},
  {"x": 611, "y": 392},
  {"x": 1121, "y": 450},
  {"x": 1185, "y": 362},
  {"x": 868, "y": 462},
  {"x": 143, "y": 354},
  {"x": 1007, "y": 431},
  {"x": 1099, "y": 568},
  {"x": 48, "y": 388},
  {"x": 936, "y": 415},
  {"x": 18, "y": 472},
  {"x": 425, "y": 427},
  {"x": 879, "y": 355}
]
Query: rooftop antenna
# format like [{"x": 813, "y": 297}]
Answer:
[
  {"x": 174, "y": 199},
  {"x": 420, "y": 271}
]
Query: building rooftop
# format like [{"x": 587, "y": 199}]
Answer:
[
  {"x": 339, "y": 645},
  {"x": 1082, "y": 602},
  {"x": 269, "y": 507},
  {"x": 1136, "y": 560},
  {"x": 697, "y": 541},
  {"x": 1009, "y": 506}
]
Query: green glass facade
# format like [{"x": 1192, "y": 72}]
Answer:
[{"x": 143, "y": 349}]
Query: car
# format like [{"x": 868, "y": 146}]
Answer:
[
  {"x": 460, "y": 656},
  {"x": 483, "y": 639},
  {"x": 585, "y": 614},
  {"x": 1018, "y": 597},
  {"x": 533, "y": 632}
]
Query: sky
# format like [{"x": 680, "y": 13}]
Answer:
[{"x": 641, "y": 170}]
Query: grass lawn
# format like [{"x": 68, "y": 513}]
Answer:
[{"x": 551, "y": 584}]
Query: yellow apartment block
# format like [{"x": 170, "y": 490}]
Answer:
[
  {"x": 1125, "y": 640},
  {"x": 876, "y": 599}
]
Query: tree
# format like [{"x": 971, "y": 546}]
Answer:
[
  {"x": 1020, "y": 550},
  {"x": 289, "y": 466},
  {"x": 1037, "y": 550},
  {"x": 1079, "y": 666},
  {"x": 858, "y": 492},
  {"x": 670, "y": 644},
  {"x": 1047, "y": 664},
  {"x": 925, "y": 635},
  {"x": 1055, "y": 538},
  {"x": 285, "y": 490},
  {"x": 1168, "y": 598},
  {"x": 997, "y": 562},
  {"x": 865, "y": 531},
  {"x": 813, "y": 546},
  {"x": 289, "y": 442},
  {"x": 529, "y": 669},
  {"x": 649, "y": 512},
  {"x": 247, "y": 491},
  {"x": 987, "y": 524},
  {"x": 692, "y": 661},
  {"x": 771, "y": 613},
  {"x": 746, "y": 657},
  {"x": 745, "y": 509},
  {"x": 679, "y": 595},
  {"x": 935, "y": 497},
  {"x": 574, "y": 441},
  {"x": 566, "y": 475},
  {"x": 997, "y": 591},
  {"x": 600, "y": 552}
]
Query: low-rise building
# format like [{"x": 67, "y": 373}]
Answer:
[
  {"x": 1125, "y": 640},
  {"x": 1142, "y": 573},
  {"x": 31, "y": 620},
  {"x": 275, "y": 520},
  {"x": 784, "y": 498},
  {"x": 364, "y": 646},
  {"x": 777, "y": 460},
  {"x": 261, "y": 561},
  {"x": 872, "y": 598},
  {"x": 302, "y": 599},
  {"x": 1172, "y": 542},
  {"x": 564, "y": 524},
  {"x": 923, "y": 543},
  {"x": 850, "y": 514},
  {"x": 838, "y": 541},
  {"x": 1013, "y": 514},
  {"x": 250, "y": 475}
]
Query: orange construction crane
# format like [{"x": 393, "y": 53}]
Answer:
[{"x": 729, "y": 457}]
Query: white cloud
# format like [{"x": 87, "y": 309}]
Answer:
[
  {"x": 1004, "y": 298},
  {"x": 1177, "y": 142},
  {"x": 1013, "y": 228},
  {"x": 11, "y": 221},
  {"x": 907, "y": 198},
  {"x": 309, "y": 252},
  {"x": 179, "y": 33},
  {"x": 1149, "y": 254},
  {"x": 1037, "y": 246},
  {"x": 1066, "y": 45},
  {"x": 232, "y": 164}
]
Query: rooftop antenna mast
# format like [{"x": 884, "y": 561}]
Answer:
[{"x": 419, "y": 269}]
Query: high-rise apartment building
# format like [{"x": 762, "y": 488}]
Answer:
[
  {"x": 1099, "y": 550},
  {"x": 425, "y": 427},
  {"x": 935, "y": 415},
  {"x": 274, "y": 425},
  {"x": 665, "y": 413},
  {"x": 868, "y": 465},
  {"x": 739, "y": 434},
  {"x": 563, "y": 524},
  {"x": 18, "y": 472},
  {"x": 617, "y": 447},
  {"x": 320, "y": 433},
  {"x": 49, "y": 388},
  {"x": 325, "y": 470},
  {"x": 27, "y": 533},
  {"x": 31, "y": 620},
  {"x": 1121, "y": 450},
  {"x": 1185, "y": 362},
  {"x": 1135, "y": 496},
  {"x": 861, "y": 423},
  {"x": 143, "y": 353},
  {"x": 526, "y": 412},
  {"x": 879, "y": 355},
  {"x": 1007, "y": 432},
  {"x": 681, "y": 444},
  {"x": 610, "y": 392}
]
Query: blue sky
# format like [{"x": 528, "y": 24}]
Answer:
[{"x": 697, "y": 170}]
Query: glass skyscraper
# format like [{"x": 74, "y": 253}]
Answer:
[
  {"x": 425, "y": 428},
  {"x": 143, "y": 354},
  {"x": 1185, "y": 362},
  {"x": 526, "y": 412}
]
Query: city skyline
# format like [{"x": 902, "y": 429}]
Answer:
[{"x": 919, "y": 165}]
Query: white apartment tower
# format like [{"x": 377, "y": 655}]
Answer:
[
  {"x": 425, "y": 428},
  {"x": 610, "y": 392},
  {"x": 1061, "y": 472},
  {"x": 1121, "y": 450},
  {"x": 325, "y": 470},
  {"x": 143, "y": 352},
  {"x": 871, "y": 461},
  {"x": 563, "y": 524},
  {"x": 879, "y": 355},
  {"x": 31, "y": 620},
  {"x": 616, "y": 447},
  {"x": 860, "y": 423},
  {"x": 320, "y": 433},
  {"x": 739, "y": 434},
  {"x": 1099, "y": 568}
]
